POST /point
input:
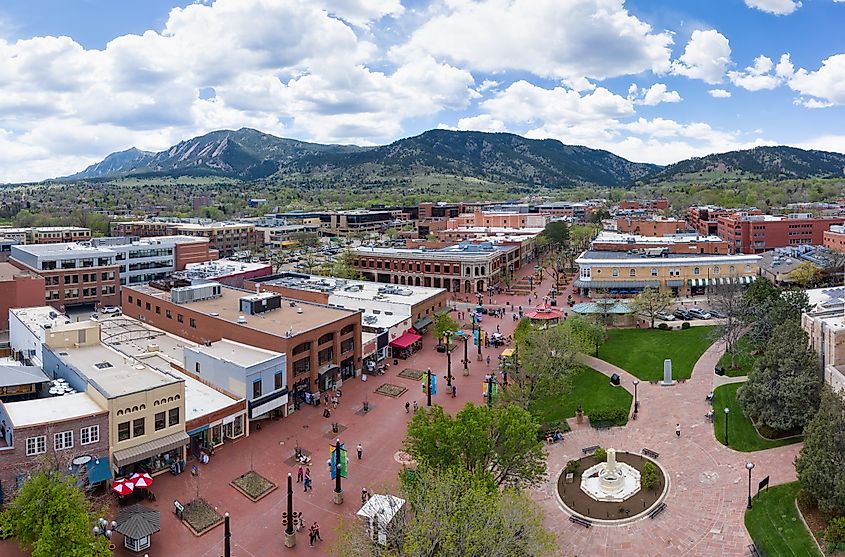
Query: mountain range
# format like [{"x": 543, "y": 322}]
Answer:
[{"x": 249, "y": 154}]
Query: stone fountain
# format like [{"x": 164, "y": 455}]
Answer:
[{"x": 610, "y": 481}]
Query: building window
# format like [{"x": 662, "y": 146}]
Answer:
[
  {"x": 302, "y": 366},
  {"x": 138, "y": 427},
  {"x": 614, "y": 272},
  {"x": 748, "y": 268},
  {"x": 278, "y": 380},
  {"x": 325, "y": 356},
  {"x": 328, "y": 337},
  {"x": 197, "y": 368},
  {"x": 654, "y": 271},
  {"x": 63, "y": 440},
  {"x": 256, "y": 388},
  {"x": 36, "y": 445},
  {"x": 192, "y": 322},
  {"x": 632, "y": 272},
  {"x": 130, "y": 299},
  {"x": 304, "y": 347},
  {"x": 696, "y": 271},
  {"x": 180, "y": 318},
  {"x": 168, "y": 314},
  {"x": 88, "y": 435},
  {"x": 716, "y": 270},
  {"x": 348, "y": 329},
  {"x": 147, "y": 305},
  {"x": 346, "y": 346},
  {"x": 159, "y": 421},
  {"x": 158, "y": 310},
  {"x": 123, "y": 431},
  {"x": 173, "y": 416}
]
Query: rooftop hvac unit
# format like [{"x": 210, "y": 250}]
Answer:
[
  {"x": 195, "y": 293},
  {"x": 259, "y": 303}
]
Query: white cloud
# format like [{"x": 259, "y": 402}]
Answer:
[
  {"x": 363, "y": 12},
  {"x": 719, "y": 93},
  {"x": 574, "y": 39},
  {"x": 760, "y": 75},
  {"x": 777, "y": 7},
  {"x": 835, "y": 143},
  {"x": 482, "y": 122},
  {"x": 706, "y": 56},
  {"x": 825, "y": 86},
  {"x": 654, "y": 95}
]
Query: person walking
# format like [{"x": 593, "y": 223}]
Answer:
[
  {"x": 299, "y": 474},
  {"x": 407, "y": 407},
  {"x": 360, "y": 450},
  {"x": 307, "y": 485},
  {"x": 678, "y": 430},
  {"x": 365, "y": 495},
  {"x": 311, "y": 536},
  {"x": 416, "y": 406},
  {"x": 454, "y": 391},
  {"x": 316, "y": 528}
]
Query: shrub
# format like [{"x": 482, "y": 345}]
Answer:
[
  {"x": 572, "y": 467},
  {"x": 685, "y": 325},
  {"x": 663, "y": 327},
  {"x": 806, "y": 500},
  {"x": 648, "y": 477},
  {"x": 613, "y": 416},
  {"x": 834, "y": 534},
  {"x": 600, "y": 454}
]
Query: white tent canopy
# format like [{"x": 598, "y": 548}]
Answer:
[{"x": 379, "y": 511}]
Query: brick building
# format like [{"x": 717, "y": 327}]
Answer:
[
  {"x": 322, "y": 343},
  {"x": 46, "y": 234},
  {"x": 650, "y": 226},
  {"x": 483, "y": 219},
  {"x": 225, "y": 237},
  {"x": 704, "y": 219},
  {"x": 749, "y": 233},
  {"x": 60, "y": 429},
  {"x": 677, "y": 243},
  {"x": 649, "y": 204},
  {"x": 18, "y": 289},
  {"x": 834, "y": 238}
]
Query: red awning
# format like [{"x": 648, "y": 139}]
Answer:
[{"x": 407, "y": 339}]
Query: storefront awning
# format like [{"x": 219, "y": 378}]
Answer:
[
  {"x": 421, "y": 323},
  {"x": 150, "y": 448},
  {"x": 674, "y": 283},
  {"x": 617, "y": 284},
  {"x": 98, "y": 470},
  {"x": 406, "y": 340}
]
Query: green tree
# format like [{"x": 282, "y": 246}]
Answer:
[
  {"x": 442, "y": 323},
  {"x": 587, "y": 334},
  {"x": 343, "y": 267},
  {"x": 545, "y": 362},
  {"x": 557, "y": 234},
  {"x": 821, "y": 463},
  {"x": 651, "y": 301},
  {"x": 729, "y": 299},
  {"x": 806, "y": 274},
  {"x": 782, "y": 390},
  {"x": 50, "y": 516},
  {"x": 649, "y": 475},
  {"x": 502, "y": 441}
]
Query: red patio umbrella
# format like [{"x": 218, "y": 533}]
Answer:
[
  {"x": 123, "y": 487},
  {"x": 141, "y": 481}
]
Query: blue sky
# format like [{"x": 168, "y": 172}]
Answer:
[{"x": 650, "y": 80}]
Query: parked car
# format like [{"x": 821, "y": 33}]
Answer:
[
  {"x": 665, "y": 316},
  {"x": 698, "y": 313},
  {"x": 110, "y": 310},
  {"x": 716, "y": 313},
  {"x": 683, "y": 315}
]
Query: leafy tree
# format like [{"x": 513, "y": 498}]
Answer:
[
  {"x": 766, "y": 306},
  {"x": 343, "y": 267},
  {"x": 651, "y": 301},
  {"x": 306, "y": 240},
  {"x": 581, "y": 235},
  {"x": 545, "y": 361},
  {"x": 806, "y": 274},
  {"x": 442, "y": 323},
  {"x": 557, "y": 234},
  {"x": 587, "y": 334},
  {"x": 649, "y": 476},
  {"x": 604, "y": 304},
  {"x": 50, "y": 516},
  {"x": 782, "y": 390},
  {"x": 522, "y": 331},
  {"x": 501, "y": 441},
  {"x": 729, "y": 299},
  {"x": 821, "y": 463},
  {"x": 598, "y": 215}
]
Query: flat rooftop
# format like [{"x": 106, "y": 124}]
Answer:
[
  {"x": 237, "y": 353},
  {"x": 493, "y": 230},
  {"x": 631, "y": 256},
  {"x": 68, "y": 249},
  {"x": 8, "y": 272},
  {"x": 277, "y": 322},
  {"x": 458, "y": 252},
  {"x": 35, "y": 318},
  {"x": 608, "y": 236},
  {"x": 354, "y": 289},
  {"x": 113, "y": 373},
  {"x": 220, "y": 268},
  {"x": 53, "y": 409}
]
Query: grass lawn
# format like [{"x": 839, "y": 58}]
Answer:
[
  {"x": 641, "y": 351},
  {"x": 775, "y": 526},
  {"x": 741, "y": 433},
  {"x": 591, "y": 389},
  {"x": 744, "y": 360}
]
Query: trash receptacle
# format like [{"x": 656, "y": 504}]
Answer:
[
  {"x": 614, "y": 379},
  {"x": 720, "y": 370}
]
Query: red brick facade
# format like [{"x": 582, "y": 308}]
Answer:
[
  {"x": 750, "y": 235},
  {"x": 18, "y": 289}
]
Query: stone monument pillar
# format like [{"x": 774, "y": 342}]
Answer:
[
  {"x": 610, "y": 467},
  {"x": 667, "y": 373}
]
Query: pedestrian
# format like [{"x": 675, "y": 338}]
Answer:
[
  {"x": 299, "y": 474},
  {"x": 416, "y": 406},
  {"x": 454, "y": 391},
  {"x": 364, "y": 495},
  {"x": 678, "y": 430},
  {"x": 311, "y": 536},
  {"x": 308, "y": 472},
  {"x": 308, "y": 484},
  {"x": 497, "y": 328},
  {"x": 316, "y": 528},
  {"x": 488, "y": 360},
  {"x": 360, "y": 450},
  {"x": 407, "y": 407}
]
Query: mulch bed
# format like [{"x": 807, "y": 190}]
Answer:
[
  {"x": 391, "y": 390},
  {"x": 362, "y": 412},
  {"x": 291, "y": 461},
  {"x": 414, "y": 374},
  {"x": 253, "y": 485},
  {"x": 200, "y": 517},
  {"x": 582, "y": 503},
  {"x": 331, "y": 434},
  {"x": 766, "y": 432},
  {"x": 817, "y": 522}
]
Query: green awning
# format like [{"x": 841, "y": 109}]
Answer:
[{"x": 98, "y": 470}]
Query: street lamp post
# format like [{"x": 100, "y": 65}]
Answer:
[
  {"x": 227, "y": 537},
  {"x": 428, "y": 387},
  {"x": 750, "y": 467},
  {"x": 290, "y": 536},
  {"x": 636, "y": 402},
  {"x": 448, "y": 361},
  {"x": 727, "y": 411},
  {"x": 466, "y": 354},
  {"x": 337, "y": 496}
]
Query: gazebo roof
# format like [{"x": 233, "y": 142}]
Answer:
[
  {"x": 544, "y": 312},
  {"x": 138, "y": 521}
]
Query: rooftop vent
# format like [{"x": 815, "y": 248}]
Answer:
[
  {"x": 103, "y": 365},
  {"x": 242, "y": 320}
]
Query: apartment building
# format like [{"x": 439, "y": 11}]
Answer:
[
  {"x": 226, "y": 238},
  {"x": 650, "y": 226},
  {"x": 608, "y": 240},
  {"x": 750, "y": 233},
  {"x": 510, "y": 220},
  {"x": 46, "y": 234},
  {"x": 825, "y": 325},
  {"x": 704, "y": 219},
  {"x": 647, "y": 204},
  {"x": 18, "y": 289},
  {"x": 322, "y": 343},
  {"x": 466, "y": 267},
  {"x": 834, "y": 238},
  {"x": 630, "y": 272}
]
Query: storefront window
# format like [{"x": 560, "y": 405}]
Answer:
[
  {"x": 160, "y": 421},
  {"x": 123, "y": 431}
]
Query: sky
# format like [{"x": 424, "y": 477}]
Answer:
[{"x": 650, "y": 80}]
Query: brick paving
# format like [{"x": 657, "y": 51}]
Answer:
[{"x": 706, "y": 498}]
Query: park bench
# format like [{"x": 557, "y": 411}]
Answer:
[
  {"x": 589, "y": 450},
  {"x": 601, "y": 426},
  {"x": 580, "y": 521},
  {"x": 659, "y": 509},
  {"x": 753, "y": 550},
  {"x": 179, "y": 509},
  {"x": 649, "y": 453}
]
